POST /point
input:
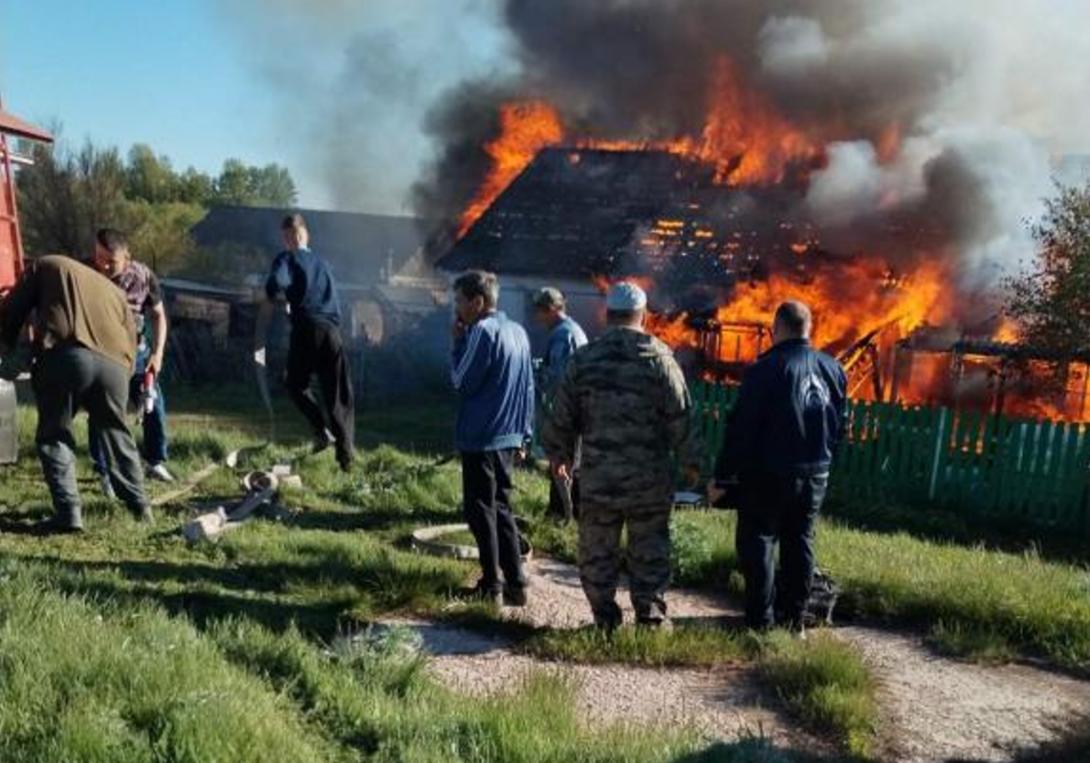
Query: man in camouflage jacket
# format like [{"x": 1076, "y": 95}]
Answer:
[{"x": 625, "y": 396}]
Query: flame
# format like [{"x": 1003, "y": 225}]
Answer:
[
  {"x": 746, "y": 141},
  {"x": 1009, "y": 331},
  {"x": 525, "y": 128},
  {"x": 744, "y": 137},
  {"x": 848, "y": 302}
]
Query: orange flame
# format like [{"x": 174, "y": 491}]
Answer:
[
  {"x": 848, "y": 302},
  {"x": 744, "y": 137},
  {"x": 525, "y": 128}
]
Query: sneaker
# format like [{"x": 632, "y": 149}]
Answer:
[
  {"x": 159, "y": 472},
  {"x": 107, "y": 486},
  {"x": 514, "y": 596}
]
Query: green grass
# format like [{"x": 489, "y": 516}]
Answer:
[
  {"x": 824, "y": 682},
  {"x": 682, "y": 646},
  {"x": 974, "y": 602},
  {"x": 111, "y": 683},
  {"x": 268, "y": 601}
]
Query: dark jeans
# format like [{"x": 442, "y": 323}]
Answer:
[
  {"x": 784, "y": 510},
  {"x": 65, "y": 380},
  {"x": 154, "y": 447},
  {"x": 486, "y": 495},
  {"x": 316, "y": 349}
]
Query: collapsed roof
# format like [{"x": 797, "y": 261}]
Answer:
[{"x": 582, "y": 212}]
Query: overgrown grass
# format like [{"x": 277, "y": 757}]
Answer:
[
  {"x": 688, "y": 646},
  {"x": 113, "y": 683},
  {"x": 825, "y": 683},
  {"x": 974, "y": 601}
]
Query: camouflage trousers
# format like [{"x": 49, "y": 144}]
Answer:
[{"x": 646, "y": 558}]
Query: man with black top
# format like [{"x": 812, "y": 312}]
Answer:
[
  {"x": 85, "y": 346},
  {"x": 304, "y": 280},
  {"x": 778, "y": 449}
]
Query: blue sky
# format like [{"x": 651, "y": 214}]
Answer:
[{"x": 203, "y": 80}]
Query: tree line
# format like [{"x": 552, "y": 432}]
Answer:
[{"x": 68, "y": 193}]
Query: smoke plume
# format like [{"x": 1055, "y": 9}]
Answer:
[{"x": 982, "y": 95}]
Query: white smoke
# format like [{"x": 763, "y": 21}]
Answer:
[{"x": 983, "y": 137}]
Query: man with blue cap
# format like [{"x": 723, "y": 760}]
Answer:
[{"x": 626, "y": 397}]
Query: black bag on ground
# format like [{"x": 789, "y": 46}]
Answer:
[{"x": 824, "y": 593}]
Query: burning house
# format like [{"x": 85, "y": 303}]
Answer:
[
  {"x": 716, "y": 258},
  {"x": 780, "y": 157}
]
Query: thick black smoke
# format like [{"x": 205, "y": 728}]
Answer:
[{"x": 972, "y": 86}]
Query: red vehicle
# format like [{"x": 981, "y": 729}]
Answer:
[
  {"x": 11, "y": 255},
  {"x": 11, "y": 246}
]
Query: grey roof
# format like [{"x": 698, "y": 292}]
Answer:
[{"x": 358, "y": 246}]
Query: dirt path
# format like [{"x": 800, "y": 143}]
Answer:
[
  {"x": 936, "y": 708},
  {"x": 933, "y": 708}
]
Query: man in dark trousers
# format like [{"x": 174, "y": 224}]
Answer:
[
  {"x": 304, "y": 280},
  {"x": 141, "y": 286},
  {"x": 492, "y": 372},
  {"x": 565, "y": 337},
  {"x": 85, "y": 346},
  {"x": 779, "y": 446}
]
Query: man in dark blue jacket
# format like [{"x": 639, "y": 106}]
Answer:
[
  {"x": 779, "y": 447},
  {"x": 492, "y": 372},
  {"x": 303, "y": 279}
]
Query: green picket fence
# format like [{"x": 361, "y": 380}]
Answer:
[{"x": 1021, "y": 471}]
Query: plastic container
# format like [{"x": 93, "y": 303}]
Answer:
[{"x": 9, "y": 425}]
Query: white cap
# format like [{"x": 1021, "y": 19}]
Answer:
[{"x": 625, "y": 297}]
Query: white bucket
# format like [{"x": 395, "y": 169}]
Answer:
[{"x": 9, "y": 428}]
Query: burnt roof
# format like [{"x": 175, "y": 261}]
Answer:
[
  {"x": 580, "y": 212},
  {"x": 358, "y": 246}
]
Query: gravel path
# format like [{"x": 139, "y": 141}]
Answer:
[
  {"x": 937, "y": 709},
  {"x": 934, "y": 709}
]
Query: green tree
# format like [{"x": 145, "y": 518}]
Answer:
[
  {"x": 65, "y": 196},
  {"x": 150, "y": 177},
  {"x": 268, "y": 186},
  {"x": 1051, "y": 298},
  {"x": 195, "y": 187}
]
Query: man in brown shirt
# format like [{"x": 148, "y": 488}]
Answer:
[{"x": 85, "y": 342}]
